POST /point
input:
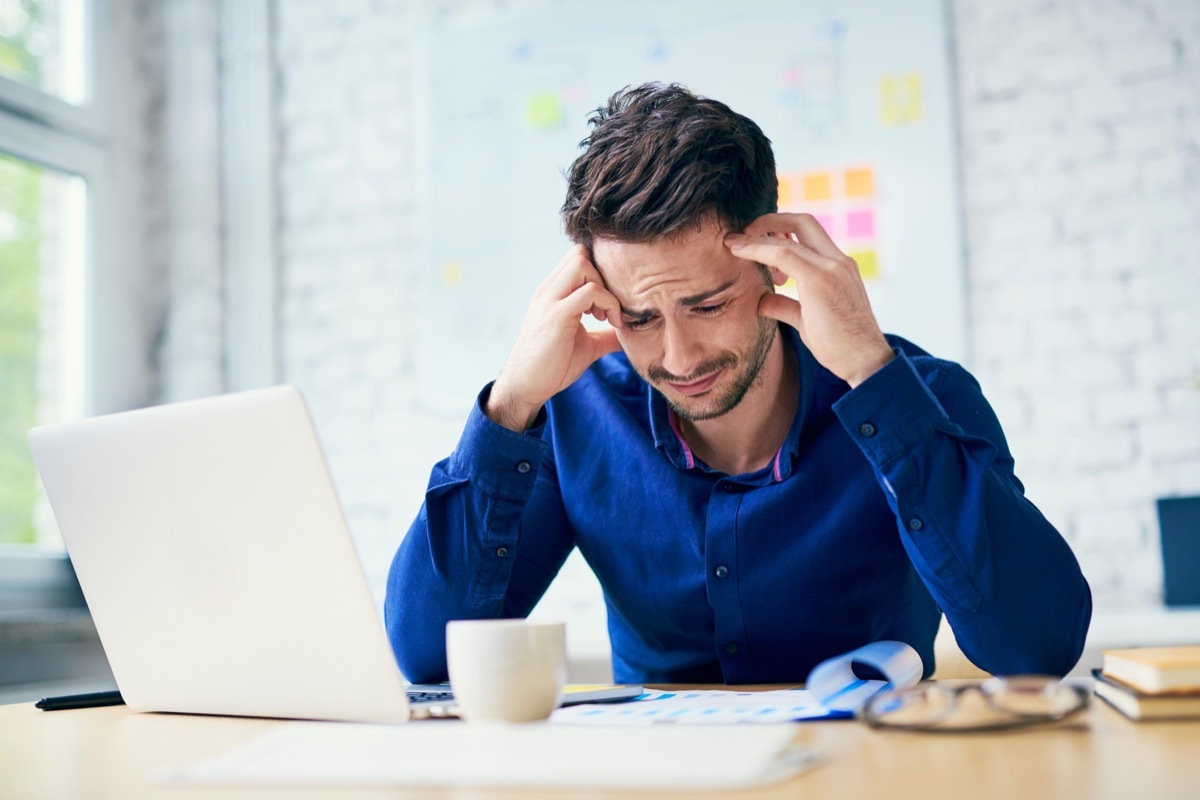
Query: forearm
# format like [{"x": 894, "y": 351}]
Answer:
[
  {"x": 1006, "y": 580},
  {"x": 465, "y": 556}
]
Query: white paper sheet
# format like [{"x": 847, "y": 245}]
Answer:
[
  {"x": 455, "y": 754},
  {"x": 700, "y": 708},
  {"x": 835, "y": 683}
]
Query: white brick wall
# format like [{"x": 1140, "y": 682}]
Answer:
[
  {"x": 187, "y": 235},
  {"x": 1084, "y": 116},
  {"x": 1080, "y": 140},
  {"x": 347, "y": 244}
]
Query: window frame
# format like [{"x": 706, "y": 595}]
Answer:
[{"x": 86, "y": 140}]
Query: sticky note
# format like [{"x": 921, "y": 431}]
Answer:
[
  {"x": 544, "y": 110},
  {"x": 817, "y": 186},
  {"x": 786, "y": 191},
  {"x": 901, "y": 99},
  {"x": 451, "y": 273},
  {"x": 860, "y": 224},
  {"x": 868, "y": 265},
  {"x": 860, "y": 182},
  {"x": 825, "y": 221}
]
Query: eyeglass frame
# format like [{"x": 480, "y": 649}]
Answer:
[{"x": 1019, "y": 720}]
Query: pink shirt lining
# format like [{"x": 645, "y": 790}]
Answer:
[
  {"x": 687, "y": 451},
  {"x": 691, "y": 459}
]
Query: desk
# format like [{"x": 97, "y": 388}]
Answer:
[{"x": 104, "y": 754}]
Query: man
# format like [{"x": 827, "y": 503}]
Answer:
[{"x": 758, "y": 483}]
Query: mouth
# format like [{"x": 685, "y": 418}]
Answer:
[{"x": 696, "y": 387}]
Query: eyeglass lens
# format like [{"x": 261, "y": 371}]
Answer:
[{"x": 996, "y": 701}]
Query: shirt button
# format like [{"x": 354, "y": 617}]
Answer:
[
  {"x": 731, "y": 648},
  {"x": 502, "y": 552},
  {"x": 721, "y": 571},
  {"x": 867, "y": 429},
  {"x": 730, "y": 488},
  {"x": 915, "y": 524},
  {"x": 523, "y": 467}
]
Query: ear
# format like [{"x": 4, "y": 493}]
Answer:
[{"x": 777, "y": 276}]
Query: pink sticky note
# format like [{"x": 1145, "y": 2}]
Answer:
[
  {"x": 860, "y": 224},
  {"x": 825, "y": 221}
]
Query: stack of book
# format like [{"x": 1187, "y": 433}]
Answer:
[{"x": 1152, "y": 682}]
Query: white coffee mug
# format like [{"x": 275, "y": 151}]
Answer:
[{"x": 506, "y": 670}]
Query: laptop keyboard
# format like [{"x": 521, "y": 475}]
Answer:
[{"x": 435, "y": 696}]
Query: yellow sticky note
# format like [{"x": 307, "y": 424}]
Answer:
[
  {"x": 901, "y": 99},
  {"x": 860, "y": 182},
  {"x": 786, "y": 192},
  {"x": 451, "y": 273},
  {"x": 868, "y": 265},
  {"x": 544, "y": 110},
  {"x": 817, "y": 186}
]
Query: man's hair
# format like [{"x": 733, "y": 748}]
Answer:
[{"x": 660, "y": 160}]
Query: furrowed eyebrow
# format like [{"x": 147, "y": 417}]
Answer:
[
  {"x": 697, "y": 299},
  {"x": 691, "y": 300}
]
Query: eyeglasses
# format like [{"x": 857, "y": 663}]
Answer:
[{"x": 996, "y": 704}]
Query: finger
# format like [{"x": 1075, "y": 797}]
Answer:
[
  {"x": 573, "y": 271},
  {"x": 804, "y": 227},
  {"x": 604, "y": 342},
  {"x": 593, "y": 295},
  {"x": 603, "y": 315},
  {"x": 784, "y": 309},
  {"x": 792, "y": 258}
]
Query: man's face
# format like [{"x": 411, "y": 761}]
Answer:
[{"x": 690, "y": 323}]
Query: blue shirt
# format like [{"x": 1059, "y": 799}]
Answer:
[{"x": 886, "y": 506}]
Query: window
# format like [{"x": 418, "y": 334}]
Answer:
[
  {"x": 52, "y": 152},
  {"x": 43, "y": 46},
  {"x": 43, "y": 235}
]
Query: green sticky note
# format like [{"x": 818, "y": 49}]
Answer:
[{"x": 544, "y": 110}]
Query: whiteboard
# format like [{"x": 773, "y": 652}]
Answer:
[{"x": 855, "y": 96}]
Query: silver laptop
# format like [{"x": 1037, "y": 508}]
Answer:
[{"x": 213, "y": 554}]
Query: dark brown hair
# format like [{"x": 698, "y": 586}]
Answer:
[{"x": 659, "y": 160}]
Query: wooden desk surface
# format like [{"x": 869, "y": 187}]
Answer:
[{"x": 106, "y": 753}]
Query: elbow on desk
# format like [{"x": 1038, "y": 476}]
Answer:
[
  {"x": 1049, "y": 644},
  {"x": 420, "y": 651}
]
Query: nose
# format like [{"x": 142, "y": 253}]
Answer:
[{"x": 682, "y": 352}]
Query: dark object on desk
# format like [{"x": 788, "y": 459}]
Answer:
[
  {"x": 1179, "y": 525},
  {"x": 1139, "y": 705},
  {"x": 91, "y": 700}
]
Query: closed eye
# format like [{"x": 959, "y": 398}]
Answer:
[
  {"x": 637, "y": 323},
  {"x": 710, "y": 310}
]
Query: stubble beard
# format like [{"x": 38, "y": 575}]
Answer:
[{"x": 729, "y": 399}]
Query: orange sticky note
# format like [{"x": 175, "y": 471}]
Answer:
[
  {"x": 785, "y": 191},
  {"x": 817, "y": 186},
  {"x": 860, "y": 182},
  {"x": 868, "y": 265}
]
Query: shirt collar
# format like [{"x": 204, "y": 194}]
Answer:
[{"x": 664, "y": 424}]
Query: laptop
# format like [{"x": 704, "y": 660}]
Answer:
[{"x": 215, "y": 559}]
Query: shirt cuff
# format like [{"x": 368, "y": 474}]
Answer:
[
  {"x": 890, "y": 412},
  {"x": 497, "y": 460}
]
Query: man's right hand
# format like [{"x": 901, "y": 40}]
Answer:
[{"x": 553, "y": 347}]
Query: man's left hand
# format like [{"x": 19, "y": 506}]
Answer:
[{"x": 833, "y": 315}]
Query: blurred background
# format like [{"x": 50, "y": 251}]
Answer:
[{"x": 357, "y": 198}]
